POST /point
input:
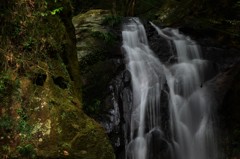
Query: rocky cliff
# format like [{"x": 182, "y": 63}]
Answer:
[{"x": 40, "y": 86}]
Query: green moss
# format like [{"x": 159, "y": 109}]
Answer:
[
  {"x": 27, "y": 151},
  {"x": 8, "y": 85},
  {"x": 43, "y": 119},
  {"x": 68, "y": 123},
  {"x": 23, "y": 127},
  {"x": 6, "y": 123},
  {"x": 107, "y": 37},
  {"x": 92, "y": 58},
  {"x": 112, "y": 21},
  {"x": 95, "y": 43}
]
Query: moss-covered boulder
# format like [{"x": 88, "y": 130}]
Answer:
[
  {"x": 92, "y": 36},
  {"x": 40, "y": 107},
  {"x": 100, "y": 61},
  {"x": 59, "y": 127},
  {"x": 99, "y": 55},
  {"x": 46, "y": 121}
]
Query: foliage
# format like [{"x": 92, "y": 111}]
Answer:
[
  {"x": 108, "y": 37},
  {"x": 27, "y": 151},
  {"x": 93, "y": 108},
  {"x": 27, "y": 45},
  {"x": 48, "y": 12},
  {"x": 23, "y": 126},
  {"x": 33, "y": 38},
  {"x": 32, "y": 14},
  {"x": 112, "y": 21},
  {"x": 3, "y": 81},
  {"x": 6, "y": 148},
  {"x": 7, "y": 85},
  {"x": 57, "y": 10},
  {"x": 6, "y": 122},
  {"x": 92, "y": 58}
]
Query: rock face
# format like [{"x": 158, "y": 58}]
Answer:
[
  {"x": 58, "y": 127},
  {"x": 227, "y": 88},
  {"x": 100, "y": 60},
  {"x": 48, "y": 121},
  {"x": 161, "y": 47},
  {"x": 41, "y": 109}
]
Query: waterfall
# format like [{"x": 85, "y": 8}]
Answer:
[
  {"x": 190, "y": 134},
  {"x": 147, "y": 80}
]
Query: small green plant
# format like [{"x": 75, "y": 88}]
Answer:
[
  {"x": 54, "y": 11},
  {"x": 27, "y": 45},
  {"x": 4, "y": 77},
  {"x": 6, "y": 148},
  {"x": 93, "y": 108},
  {"x": 6, "y": 122},
  {"x": 27, "y": 151},
  {"x": 25, "y": 130},
  {"x": 5, "y": 82},
  {"x": 23, "y": 126},
  {"x": 91, "y": 59},
  {"x": 108, "y": 37},
  {"x": 57, "y": 10},
  {"x": 66, "y": 145},
  {"x": 112, "y": 21},
  {"x": 2, "y": 85},
  {"x": 51, "y": 12}
]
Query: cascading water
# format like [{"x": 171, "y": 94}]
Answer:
[
  {"x": 147, "y": 76},
  {"x": 189, "y": 103}
]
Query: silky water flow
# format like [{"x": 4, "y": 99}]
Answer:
[{"x": 190, "y": 123}]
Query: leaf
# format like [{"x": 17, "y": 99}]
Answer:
[{"x": 57, "y": 10}]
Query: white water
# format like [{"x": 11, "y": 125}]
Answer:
[
  {"x": 189, "y": 101},
  {"x": 147, "y": 75}
]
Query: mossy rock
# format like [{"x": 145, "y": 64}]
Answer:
[
  {"x": 97, "y": 45},
  {"x": 91, "y": 35},
  {"x": 70, "y": 126},
  {"x": 41, "y": 114},
  {"x": 58, "y": 128}
]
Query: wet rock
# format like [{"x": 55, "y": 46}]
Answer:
[
  {"x": 160, "y": 46},
  {"x": 158, "y": 146},
  {"x": 100, "y": 61},
  {"x": 164, "y": 112},
  {"x": 223, "y": 58},
  {"x": 226, "y": 86}
]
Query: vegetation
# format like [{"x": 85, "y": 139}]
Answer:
[
  {"x": 112, "y": 20},
  {"x": 27, "y": 151},
  {"x": 107, "y": 37},
  {"x": 40, "y": 83},
  {"x": 40, "y": 86}
]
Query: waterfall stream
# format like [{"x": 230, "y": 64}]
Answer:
[{"x": 189, "y": 132}]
